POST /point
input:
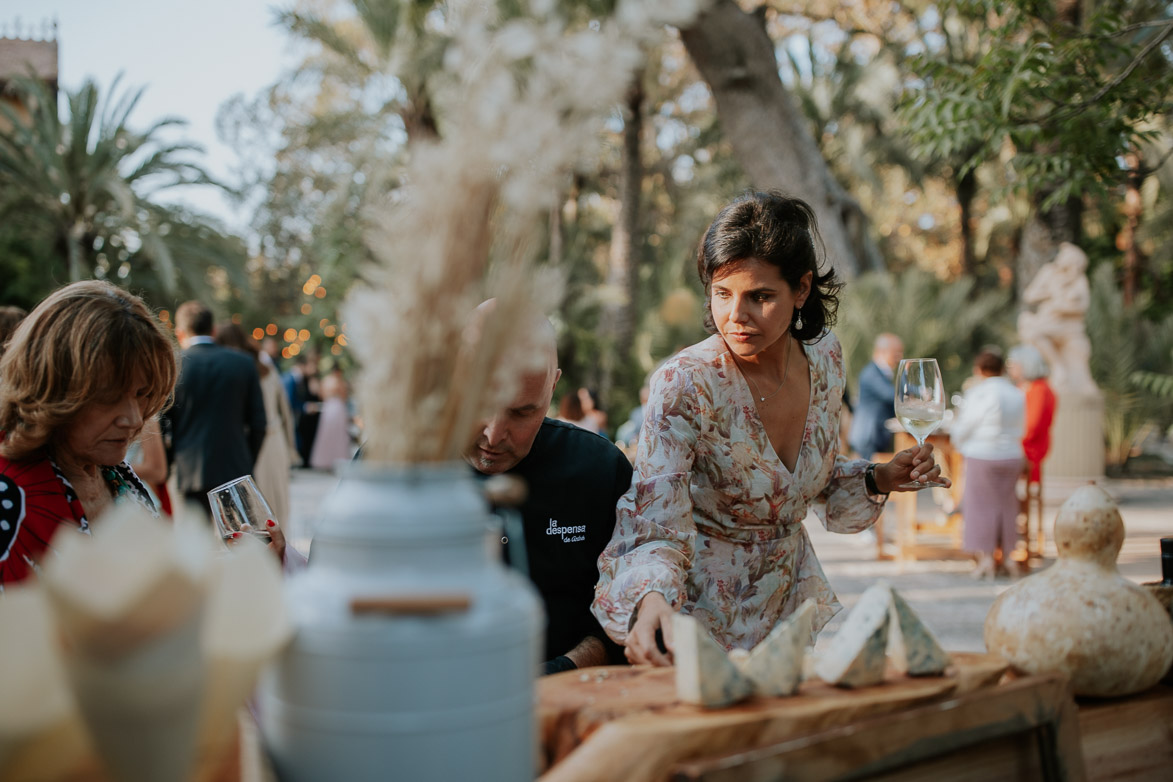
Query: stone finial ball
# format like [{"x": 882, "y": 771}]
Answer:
[{"x": 1089, "y": 527}]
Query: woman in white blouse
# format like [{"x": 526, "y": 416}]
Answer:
[{"x": 988, "y": 432}]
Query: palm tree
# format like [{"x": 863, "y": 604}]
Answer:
[{"x": 86, "y": 182}]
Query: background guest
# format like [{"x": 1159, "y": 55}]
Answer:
[
  {"x": 1028, "y": 371},
  {"x": 82, "y": 374},
  {"x": 148, "y": 457},
  {"x": 570, "y": 410},
  {"x": 592, "y": 412},
  {"x": 876, "y": 399},
  {"x": 10, "y": 318},
  {"x": 332, "y": 440},
  {"x": 277, "y": 454},
  {"x": 301, "y": 387},
  {"x": 988, "y": 432},
  {"x": 217, "y": 422}
]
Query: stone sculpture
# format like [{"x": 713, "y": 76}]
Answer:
[{"x": 1060, "y": 295}]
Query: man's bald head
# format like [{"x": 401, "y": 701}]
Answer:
[
  {"x": 507, "y": 437},
  {"x": 887, "y": 350}
]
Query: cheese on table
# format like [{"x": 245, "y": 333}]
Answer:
[
  {"x": 913, "y": 648},
  {"x": 857, "y": 655},
  {"x": 775, "y": 664},
  {"x": 704, "y": 673}
]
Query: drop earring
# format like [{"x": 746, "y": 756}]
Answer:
[{"x": 798, "y": 322}]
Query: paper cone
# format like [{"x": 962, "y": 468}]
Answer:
[
  {"x": 245, "y": 625},
  {"x": 41, "y": 736},
  {"x": 129, "y": 603},
  {"x": 134, "y": 580},
  {"x": 142, "y": 710}
]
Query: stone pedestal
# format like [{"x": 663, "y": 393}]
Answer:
[{"x": 1077, "y": 437}]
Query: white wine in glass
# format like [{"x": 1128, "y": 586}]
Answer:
[{"x": 920, "y": 403}]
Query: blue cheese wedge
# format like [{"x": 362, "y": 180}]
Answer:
[
  {"x": 775, "y": 664},
  {"x": 857, "y": 655},
  {"x": 704, "y": 673},
  {"x": 912, "y": 647}
]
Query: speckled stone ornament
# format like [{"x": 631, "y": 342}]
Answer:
[{"x": 1079, "y": 616}]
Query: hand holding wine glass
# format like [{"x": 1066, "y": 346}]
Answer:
[
  {"x": 239, "y": 509},
  {"x": 920, "y": 404}
]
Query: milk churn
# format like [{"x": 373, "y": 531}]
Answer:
[{"x": 415, "y": 649}]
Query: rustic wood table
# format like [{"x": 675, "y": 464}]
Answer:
[{"x": 973, "y": 724}]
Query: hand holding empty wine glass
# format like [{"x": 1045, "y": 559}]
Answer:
[
  {"x": 239, "y": 509},
  {"x": 920, "y": 405}
]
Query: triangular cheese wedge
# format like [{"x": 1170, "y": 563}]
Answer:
[
  {"x": 913, "y": 648},
  {"x": 857, "y": 655},
  {"x": 704, "y": 674},
  {"x": 775, "y": 664}
]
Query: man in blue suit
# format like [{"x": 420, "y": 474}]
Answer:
[
  {"x": 876, "y": 403},
  {"x": 217, "y": 422}
]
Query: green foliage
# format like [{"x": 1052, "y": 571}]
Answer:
[
  {"x": 1068, "y": 99},
  {"x": 1126, "y": 346},
  {"x": 949, "y": 321},
  {"x": 77, "y": 196},
  {"x": 1155, "y": 383}
]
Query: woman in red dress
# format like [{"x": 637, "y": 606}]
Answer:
[{"x": 1028, "y": 371}]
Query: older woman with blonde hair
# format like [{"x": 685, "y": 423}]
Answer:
[{"x": 82, "y": 374}]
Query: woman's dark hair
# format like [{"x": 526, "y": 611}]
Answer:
[
  {"x": 778, "y": 230},
  {"x": 570, "y": 408},
  {"x": 990, "y": 362},
  {"x": 231, "y": 335}
]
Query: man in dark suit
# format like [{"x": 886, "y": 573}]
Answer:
[
  {"x": 876, "y": 403},
  {"x": 301, "y": 387},
  {"x": 217, "y": 423}
]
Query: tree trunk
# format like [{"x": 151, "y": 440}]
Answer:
[
  {"x": 619, "y": 313},
  {"x": 73, "y": 241},
  {"x": 966, "y": 192},
  {"x": 768, "y": 132}
]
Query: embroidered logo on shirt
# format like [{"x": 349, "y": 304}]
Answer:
[{"x": 568, "y": 534}]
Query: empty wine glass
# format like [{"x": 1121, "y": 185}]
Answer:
[
  {"x": 239, "y": 509},
  {"x": 920, "y": 403}
]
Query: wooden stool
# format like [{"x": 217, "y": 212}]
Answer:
[{"x": 1030, "y": 513}]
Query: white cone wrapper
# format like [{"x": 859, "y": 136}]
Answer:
[
  {"x": 41, "y": 736},
  {"x": 129, "y": 606}
]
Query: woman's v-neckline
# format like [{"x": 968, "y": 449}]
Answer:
[{"x": 810, "y": 398}]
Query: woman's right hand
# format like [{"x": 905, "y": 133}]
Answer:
[{"x": 653, "y": 613}]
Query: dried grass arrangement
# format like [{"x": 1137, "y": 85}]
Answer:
[{"x": 526, "y": 100}]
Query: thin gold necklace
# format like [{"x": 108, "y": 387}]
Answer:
[{"x": 785, "y": 372}]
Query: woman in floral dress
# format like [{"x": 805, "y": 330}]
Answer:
[{"x": 740, "y": 437}]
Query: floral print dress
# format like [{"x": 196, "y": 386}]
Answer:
[{"x": 713, "y": 519}]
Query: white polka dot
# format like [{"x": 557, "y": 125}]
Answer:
[
  {"x": 3, "y": 486},
  {"x": 4, "y": 526},
  {"x": 7, "y": 504}
]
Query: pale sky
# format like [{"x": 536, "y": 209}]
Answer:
[{"x": 191, "y": 55}]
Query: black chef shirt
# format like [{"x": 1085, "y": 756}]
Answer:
[{"x": 574, "y": 480}]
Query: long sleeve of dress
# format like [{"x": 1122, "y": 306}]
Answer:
[
  {"x": 845, "y": 505},
  {"x": 652, "y": 547}
]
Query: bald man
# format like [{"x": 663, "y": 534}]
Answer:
[
  {"x": 574, "y": 480},
  {"x": 876, "y": 403}
]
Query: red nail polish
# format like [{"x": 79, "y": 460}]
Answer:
[
  {"x": 237, "y": 534},
  {"x": 272, "y": 523}
]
